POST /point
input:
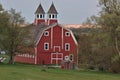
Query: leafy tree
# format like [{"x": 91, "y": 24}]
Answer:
[
  {"x": 109, "y": 20},
  {"x": 4, "y": 21},
  {"x": 13, "y": 35},
  {"x": 108, "y": 36}
]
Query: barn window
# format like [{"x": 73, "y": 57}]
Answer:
[
  {"x": 53, "y": 16},
  {"x": 49, "y": 16},
  {"x": 66, "y": 58},
  {"x": 71, "y": 57},
  {"x": 41, "y": 16},
  {"x": 67, "y": 34},
  {"x": 46, "y": 33},
  {"x": 46, "y": 46},
  {"x": 37, "y": 15},
  {"x": 67, "y": 47}
]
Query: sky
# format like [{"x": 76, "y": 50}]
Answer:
[{"x": 70, "y": 11}]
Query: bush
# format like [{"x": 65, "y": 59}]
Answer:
[
  {"x": 115, "y": 68},
  {"x": 92, "y": 67}
]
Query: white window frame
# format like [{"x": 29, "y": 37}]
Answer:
[
  {"x": 40, "y": 16},
  {"x": 67, "y": 33},
  {"x": 72, "y": 57},
  {"x": 45, "y": 46},
  {"x": 49, "y": 16},
  {"x": 46, "y": 32},
  {"x": 37, "y": 16},
  {"x": 53, "y": 16},
  {"x": 66, "y": 46},
  {"x": 66, "y": 58}
]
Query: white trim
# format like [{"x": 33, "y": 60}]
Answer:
[
  {"x": 48, "y": 22},
  {"x": 38, "y": 16},
  {"x": 72, "y": 57},
  {"x": 73, "y": 38},
  {"x": 57, "y": 58},
  {"x": 67, "y": 33},
  {"x": 59, "y": 26},
  {"x": 51, "y": 38},
  {"x": 43, "y": 31},
  {"x": 51, "y": 16},
  {"x": 67, "y": 58},
  {"x": 57, "y": 47},
  {"x": 35, "y": 57},
  {"x": 68, "y": 46},
  {"x": 46, "y": 43},
  {"x": 46, "y": 32}
]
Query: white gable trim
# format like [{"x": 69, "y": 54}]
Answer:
[
  {"x": 43, "y": 33},
  {"x": 39, "y": 38},
  {"x": 70, "y": 33},
  {"x": 73, "y": 37},
  {"x": 35, "y": 55},
  {"x": 51, "y": 38},
  {"x": 59, "y": 26}
]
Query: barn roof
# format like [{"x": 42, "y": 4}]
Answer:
[
  {"x": 35, "y": 32},
  {"x": 52, "y": 9},
  {"x": 40, "y": 10}
]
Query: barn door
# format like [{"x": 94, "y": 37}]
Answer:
[{"x": 56, "y": 58}]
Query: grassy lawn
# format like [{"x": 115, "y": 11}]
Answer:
[{"x": 32, "y": 72}]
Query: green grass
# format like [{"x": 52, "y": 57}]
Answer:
[{"x": 33, "y": 72}]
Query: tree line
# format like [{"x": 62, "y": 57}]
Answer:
[{"x": 100, "y": 46}]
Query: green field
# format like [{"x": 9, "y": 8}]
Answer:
[{"x": 32, "y": 72}]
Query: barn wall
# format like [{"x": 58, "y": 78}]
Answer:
[
  {"x": 73, "y": 46},
  {"x": 55, "y": 39},
  {"x": 49, "y": 22},
  {"x": 39, "y": 21},
  {"x": 24, "y": 59}
]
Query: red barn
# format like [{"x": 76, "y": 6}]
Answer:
[{"x": 53, "y": 43}]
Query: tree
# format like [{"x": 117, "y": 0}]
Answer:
[
  {"x": 109, "y": 20},
  {"x": 13, "y": 35},
  {"x": 4, "y": 21},
  {"x": 109, "y": 37}
]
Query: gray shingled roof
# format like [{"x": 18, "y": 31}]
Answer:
[
  {"x": 38, "y": 32},
  {"x": 34, "y": 33},
  {"x": 52, "y": 9},
  {"x": 40, "y": 10}
]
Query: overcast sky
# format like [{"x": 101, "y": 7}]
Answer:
[{"x": 70, "y": 11}]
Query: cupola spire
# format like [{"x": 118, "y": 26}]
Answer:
[
  {"x": 52, "y": 15},
  {"x": 52, "y": 9},
  {"x": 39, "y": 15},
  {"x": 40, "y": 10}
]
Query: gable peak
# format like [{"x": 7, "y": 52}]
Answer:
[
  {"x": 52, "y": 9},
  {"x": 40, "y": 9}
]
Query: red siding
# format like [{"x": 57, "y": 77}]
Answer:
[
  {"x": 73, "y": 46},
  {"x": 39, "y": 21},
  {"x": 57, "y": 36},
  {"x": 49, "y": 22},
  {"x": 24, "y": 59},
  {"x": 55, "y": 45}
]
